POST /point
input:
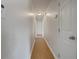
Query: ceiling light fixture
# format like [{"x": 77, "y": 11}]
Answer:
[
  {"x": 39, "y": 14},
  {"x": 30, "y": 14},
  {"x": 48, "y": 14}
]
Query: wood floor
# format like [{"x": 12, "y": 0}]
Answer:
[{"x": 41, "y": 50}]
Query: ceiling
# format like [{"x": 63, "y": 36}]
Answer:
[{"x": 40, "y": 5}]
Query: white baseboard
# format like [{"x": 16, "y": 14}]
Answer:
[
  {"x": 32, "y": 47},
  {"x": 50, "y": 49}
]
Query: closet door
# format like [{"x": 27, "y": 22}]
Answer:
[{"x": 69, "y": 29}]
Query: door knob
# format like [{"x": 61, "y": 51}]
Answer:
[{"x": 72, "y": 37}]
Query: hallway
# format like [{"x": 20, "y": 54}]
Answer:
[
  {"x": 24, "y": 22},
  {"x": 41, "y": 50}
]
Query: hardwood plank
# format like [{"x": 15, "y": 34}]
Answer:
[{"x": 41, "y": 50}]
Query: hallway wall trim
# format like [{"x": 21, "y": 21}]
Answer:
[
  {"x": 50, "y": 48},
  {"x": 32, "y": 47}
]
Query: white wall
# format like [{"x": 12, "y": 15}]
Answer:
[
  {"x": 51, "y": 34},
  {"x": 51, "y": 27},
  {"x": 16, "y": 29},
  {"x": 58, "y": 30}
]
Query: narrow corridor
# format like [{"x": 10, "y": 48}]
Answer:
[{"x": 38, "y": 29}]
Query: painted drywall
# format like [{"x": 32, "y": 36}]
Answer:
[
  {"x": 16, "y": 29},
  {"x": 51, "y": 27},
  {"x": 51, "y": 34}
]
